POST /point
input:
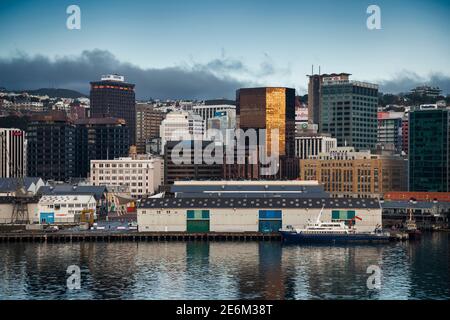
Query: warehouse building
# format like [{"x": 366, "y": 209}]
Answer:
[
  {"x": 64, "y": 208},
  {"x": 233, "y": 214}
]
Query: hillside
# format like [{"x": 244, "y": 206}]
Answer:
[{"x": 56, "y": 93}]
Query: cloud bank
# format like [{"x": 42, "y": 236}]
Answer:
[
  {"x": 218, "y": 78},
  {"x": 407, "y": 80},
  {"x": 195, "y": 82}
]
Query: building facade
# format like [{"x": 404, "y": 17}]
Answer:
[
  {"x": 427, "y": 91},
  {"x": 346, "y": 173},
  {"x": 429, "y": 157},
  {"x": 100, "y": 139},
  {"x": 223, "y": 122},
  {"x": 267, "y": 215},
  {"x": 271, "y": 109},
  {"x": 314, "y": 85},
  {"x": 179, "y": 125},
  {"x": 313, "y": 144},
  {"x": 142, "y": 175},
  {"x": 390, "y": 130},
  {"x": 191, "y": 167},
  {"x": 13, "y": 153},
  {"x": 405, "y": 134},
  {"x": 113, "y": 97},
  {"x": 51, "y": 147},
  {"x": 349, "y": 112},
  {"x": 148, "y": 122},
  {"x": 59, "y": 209},
  {"x": 208, "y": 111}
]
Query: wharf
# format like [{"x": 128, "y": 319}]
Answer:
[
  {"x": 132, "y": 236},
  {"x": 136, "y": 237}
]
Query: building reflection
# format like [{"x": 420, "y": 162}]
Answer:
[{"x": 226, "y": 270}]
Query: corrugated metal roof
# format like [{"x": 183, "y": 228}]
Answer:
[
  {"x": 66, "y": 189},
  {"x": 258, "y": 203},
  {"x": 10, "y": 184},
  {"x": 417, "y": 205}
]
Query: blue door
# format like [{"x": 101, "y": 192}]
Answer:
[{"x": 270, "y": 221}]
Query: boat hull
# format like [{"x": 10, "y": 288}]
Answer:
[
  {"x": 414, "y": 234},
  {"x": 294, "y": 237}
]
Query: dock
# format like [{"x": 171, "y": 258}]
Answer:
[
  {"x": 65, "y": 237},
  {"x": 136, "y": 237}
]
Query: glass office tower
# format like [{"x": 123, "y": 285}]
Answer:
[{"x": 429, "y": 159}]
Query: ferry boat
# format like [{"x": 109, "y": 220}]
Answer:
[{"x": 326, "y": 232}]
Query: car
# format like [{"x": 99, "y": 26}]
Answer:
[{"x": 51, "y": 229}]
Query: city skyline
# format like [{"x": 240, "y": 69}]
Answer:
[{"x": 226, "y": 46}]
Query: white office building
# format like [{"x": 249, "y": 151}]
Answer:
[
  {"x": 181, "y": 125},
  {"x": 13, "y": 157},
  {"x": 209, "y": 111},
  {"x": 312, "y": 145},
  {"x": 142, "y": 175}
]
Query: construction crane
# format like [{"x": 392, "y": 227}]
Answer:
[{"x": 83, "y": 217}]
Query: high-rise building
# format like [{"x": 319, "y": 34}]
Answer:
[
  {"x": 349, "y": 111},
  {"x": 148, "y": 122},
  {"x": 99, "y": 139},
  {"x": 269, "y": 108},
  {"x": 51, "y": 147},
  {"x": 113, "y": 97},
  {"x": 314, "y": 85},
  {"x": 13, "y": 159},
  {"x": 390, "y": 130},
  {"x": 181, "y": 125},
  {"x": 347, "y": 173},
  {"x": 429, "y": 155}
]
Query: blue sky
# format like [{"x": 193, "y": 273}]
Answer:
[{"x": 253, "y": 42}]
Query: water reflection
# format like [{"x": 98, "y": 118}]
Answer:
[{"x": 226, "y": 270}]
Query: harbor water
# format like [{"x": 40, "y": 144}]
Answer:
[{"x": 227, "y": 270}]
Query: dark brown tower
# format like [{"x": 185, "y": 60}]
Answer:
[{"x": 113, "y": 97}]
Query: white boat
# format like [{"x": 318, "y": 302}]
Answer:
[{"x": 330, "y": 232}]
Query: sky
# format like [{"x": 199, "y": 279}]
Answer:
[{"x": 201, "y": 49}]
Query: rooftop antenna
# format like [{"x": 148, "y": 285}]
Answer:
[
  {"x": 312, "y": 69},
  {"x": 319, "y": 70}
]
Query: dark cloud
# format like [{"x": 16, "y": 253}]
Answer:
[
  {"x": 407, "y": 80},
  {"x": 197, "y": 82}
]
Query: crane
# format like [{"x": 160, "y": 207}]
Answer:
[{"x": 21, "y": 198}]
